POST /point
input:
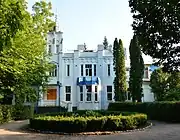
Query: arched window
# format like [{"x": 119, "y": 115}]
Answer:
[{"x": 53, "y": 72}]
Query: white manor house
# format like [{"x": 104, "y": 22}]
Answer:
[{"x": 83, "y": 79}]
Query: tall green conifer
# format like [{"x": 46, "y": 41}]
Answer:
[
  {"x": 120, "y": 86},
  {"x": 136, "y": 70}
]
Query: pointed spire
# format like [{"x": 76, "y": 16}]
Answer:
[{"x": 56, "y": 22}]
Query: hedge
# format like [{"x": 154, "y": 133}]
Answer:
[
  {"x": 86, "y": 113},
  {"x": 87, "y": 124},
  {"x": 23, "y": 112},
  {"x": 9, "y": 112},
  {"x": 162, "y": 111},
  {"x": 6, "y": 113}
]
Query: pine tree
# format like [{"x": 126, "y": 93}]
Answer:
[
  {"x": 136, "y": 70},
  {"x": 120, "y": 86},
  {"x": 105, "y": 43}
]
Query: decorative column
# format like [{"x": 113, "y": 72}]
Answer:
[
  {"x": 92, "y": 69},
  {"x": 84, "y": 93},
  {"x": 93, "y": 93},
  {"x": 41, "y": 98}
]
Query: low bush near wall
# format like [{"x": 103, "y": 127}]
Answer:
[
  {"x": 162, "y": 111},
  {"x": 49, "y": 109},
  {"x": 9, "y": 112},
  {"x": 6, "y": 113},
  {"x": 87, "y": 113},
  {"x": 22, "y": 112},
  {"x": 87, "y": 124}
]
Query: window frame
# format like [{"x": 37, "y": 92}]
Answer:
[
  {"x": 81, "y": 93},
  {"x": 53, "y": 41},
  {"x": 88, "y": 69},
  {"x": 82, "y": 69},
  {"x": 68, "y": 70},
  {"x": 53, "y": 73},
  {"x": 57, "y": 48},
  {"x": 89, "y": 93},
  {"x": 68, "y": 93},
  {"x": 109, "y": 69},
  {"x": 96, "y": 93},
  {"x": 109, "y": 92},
  {"x": 49, "y": 49},
  {"x": 95, "y": 70}
]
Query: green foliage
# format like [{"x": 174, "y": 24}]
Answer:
[
  {"x": 52, "y": 109},
  {"x": 6, "y": 113},
  {"x": 10, "y": 112},
  {"x": 22, "y": 112},
  {"x": 86, "y": 124},
  {"x": 159, "y": 84},
  {"x": 11, "y": 16},
  {"x": 165, "y": 86},
  {"x": 120, "y": 85},
  {"x": 105, "y": 43},
  {"x": 23, "y": 52},
  {"x": 162, "y": 111},
  {"x": 136, "y": 70},
  {"x": 173, "y": 94},
  {"x": 157, "y": 25},
  {"x": 87, "y": 113}
]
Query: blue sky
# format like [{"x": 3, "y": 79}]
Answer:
[{"x": 90, "y": 20}]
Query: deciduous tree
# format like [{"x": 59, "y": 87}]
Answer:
[
  {"x": 157, "y": 24},
  {"x": 24, "y": 60},
  {"x": 159, "y": 84}
]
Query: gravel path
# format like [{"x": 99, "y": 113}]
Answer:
[{"x": 159, "y": 131}]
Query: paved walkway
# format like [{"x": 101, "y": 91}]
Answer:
[{"x": 159, "y": 131}]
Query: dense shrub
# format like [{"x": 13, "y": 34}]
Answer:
[
  {"x": 10, "y": 112},
  {"x": 22, "y": 112},
  {"x": 86, "y": 113},
  {"x": 162, "y": 111},
  {"x": 1, "y": 115},
  {"x": 86, "y": 124},
  {"x": 49, "y": 109},
  {"x": 6, "y": 113}
]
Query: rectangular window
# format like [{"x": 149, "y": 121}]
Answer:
[
  {"x": 68, "y": 89},
  {"x": 49, "y": 49},
  {"x": 96, "y": 94},
  {"x": 88, "y": 68},
  {"x": 89, "y": 93},
  {"x": 53, "y": 42},
  {"x": 146, "y": 73},
  {"x": 109, "y": 70},
  {"x": 81, "y": 93},
  {"x": 68, "y": 93},
  {"x": 68, "y": 97},
  {"x": 82, "y": 70},
  {"x": 57, "y": 48},
  {"x": 109, "y": 93},
  {"x": 68, "y": 70},
  {"x": 94, "y": 70}
]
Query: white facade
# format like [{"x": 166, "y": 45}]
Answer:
[{"x": 85, "y": 77}]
